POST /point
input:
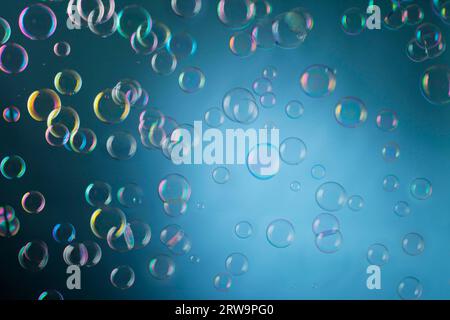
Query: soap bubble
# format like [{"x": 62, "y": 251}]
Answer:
[
  {"x": 173, "y": 187},
  {"x": 131, "y": 17},
  {"x": 294, "y": 109},
  {"x": 378, "y": 254},
  {"x": 262, "y": 33},
  {"x": 325, "y": 222},
  {"x": 270, "y": 72},
  {"x": 402, "y": 209},
  {"x": 121, "y": 146},
  {"x": 410, "y": 288},
  {"x": 186, "y": 8},
  {"x": 396, "y": 18},
  {"x": 68, "y": 82},
  {"x": 42, "y": 102},
  {"x": 214, "y": 117},
  {"x": 415, "y": 14},
  {"x": 290, "y": 29},
  {"x": 120, "y": 241},
  {"x": 236, "y": 264},
  {"x": 350, "y": 112},
  {"x": 11, "y": 114},
  {"x": 64, "y": 233},
  {"x": 33, "y": 256},
  {"x": 435, "y": 84},
  {"x": 57, "y": 135},
  {"x": 280, "y": 233},
  {"x": 292, "y": 150},
  {"x": 61, "y": 49},
  {"x": 221, "y": 175},
  {"x": 318, "y": 172},
  {"x": 37, "y": 22},
  {"x": 191, "y": 80},
  {"x": 387, "y": 120},
  {"x": 355, "y": 203},
  {"x": 318, "y": 81},
  {"x": 75, "y": 254},
  {"x": 33, "y": 202},
  {"x": 428, "y": 35},
  {"x": 109, "y": 109},
  {"x": 268, "y": 100},
  {"x": 176, "y": 240},
  {"x": 13, "y": 167},
  {"x": 295, "y": 186},
  {"x": 413, "y": 244},
  {"x": 415, "y": 52},
  {"x": 98, "y": 194},
  {"x": 222, "y": 281},
  {"x": 243, "y": 229},
  {"x": 163, "y": 62},
  {"x": 242, "y": 43},
  {"x": 329, "y": 241},
  {"x": 261, "y": 86},
  {"x": 421, "y": 188},
  {"x": 239, "y": 105},
  {"x": 162, "y": 267},
  {"x": 102, "y": 220},
  {"x": 182, "y": 45},
  {"x": 122, "y": 277},
  {"x": 331, "y": 196},
  {"x": 236, "y": 14},
  {"x": 94, "y": 253},
  {"x": 50, "y": 295},
  {"x": 390, "y": 183},
  {"x": 13, "y": 58},
  {"x": 390, "y": 151},
  {"x": 353, "y": 21},
  {"x": 130, "y": 195},
  {"x": 5, "y": 31},
  {"x": 263, "y": 161}
]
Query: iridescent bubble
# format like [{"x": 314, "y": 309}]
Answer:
[
  {"x": 120, "y": 242},
  {"x": 280, "y": 233},
  {"x": 263, "y": 161},
  {"x": 110, "y": 110},
  {"x": 144, "y": 45},
  {"x": 9, "y": 223},
  {"x": 176, "y": 240},
  {"x": 289, "y": 29},
  {"x": 13, "y": 58},
  {"x": 421, "y": 188},
  {"x": 410, "y": 288},
  {"x": 64, "y": 233},
  {"x": 163, "y": 62},
  {"x": 182, "y": 45},
  {"x": 428, "y": 35},
  {"x": 11, "y": 114},
  {"x": 221, "y": 175},
  {"x": 350, "y": 112},
  {"x": 353, "y": 21},
  {"x": 396, "y": 18},
  {"x": 222, "y": 281},
  {"x": 390, "y": 151},
  {"x": 83, "y": 140},
  {"x": 33, "y": 256},
  {"x": 318, "y": 172},
  {"x": 415, "y": 52},
  {"x": 437, "y": 51},
  {"x": 75, "y": 254},
  {"x": 33, "y": 202},
  {"x": 5, "y": 31},
  {"x": 261, "y": 86},
  {"x": 57, "y": 135},
  {"x": 121, "y": 145},
  {"x": 104, "y": 28},
  {"x": 186, "y": 8},
  {"x": 378, "y": 254},
  {"x": 435, "y": 84},
  {"x": 236, "y": 14},
  {"x": 191, "y": 80},
  {"x": 387, "y": 120},
  {"x": 331, "y": 196},
  {"x": 122, "y": 277},
  {"x": 13, "y": 167},
  {"x": 68, "y": 82},
  {"x": 263, "y": 8},
  {"x": 415, "y": 14},
  {"x": 262, "y": 34},
  {"x": 42, "y": 102},
  {"x": 325, "y": 222},
  {"x": 162, "y": 267},
  {"x": 391, "y": 183},
  {"x": 239, "y": 105},
  {"x": 142, "y": 234},
  {"x": 98, "y": 194},
  {"x": 236, "y": 264},
  {"x": 413, "y": 244},
  {"x": 268, "y": 100},
  {"x": 162, "y": 33},
  {"x": 94, "y": 253},
  {"x": 318, "y": 81},
  {"x": 294, "y": 109},
  {"x": 402, "y": 209},
  {"x": 50, "y": 295},
  {"x": 131, "y": 195},
  {"x": 131, "y": 17},
  {"x": 242, "y": 43},
  {"x": 37, "y": 22},
  {"x": 292, "y": 150},
  {"x": 355, "y": 203},
  {"x": 62, "y": 49},
  {"x": 214, "y": 117},
  {"x": 329, "y": 241},
  {"x": 270, "y": 72},
  {"x": 102, "y": 220},
  {"x": 243, "y": 229},
  {"x": 295, "y": 186},
  {"x": 173, "y": 187}
]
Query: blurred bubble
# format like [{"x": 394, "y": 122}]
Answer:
[
  {"x": 131, "y": 17},
  {"x": 68, "y": 82},
  {"x": 242, "y": 43},
  {"x": 318, "y": 81},
  {"x": 294, "y": 109},
  {"x": 162, "y": 33},
  {"x": 410, "y": 288},
  {"x": 331, "y": 196},
  {"x": 262, "y": 33},
  {"x": 33, "y": 202},
  {"x": 9, "y": 223},
  {"x": 94, "y": 253},
  {"x": 325, "y": 222},
  {"x": 5, "y": 31},
  {"x": 222, "y": 281},
  {"x": 435, "y": 84},
  {"x": 239, "y": 105},
  {"x": 176, "y": 240},
  {"x": 413, "y": 244},
  {"x": 387, "y": 120},
  {"x": 261, "y": 86},
  {"x": 50, "y": 295},
  {"x": 75, "y": 254},
  {"x": 270, "y": 72},
  {"x": 191, "y": 80},
  {"x": 236, "y": 264},
  {"x": 262, "y": 161},
  {"x": 396, "y": 18},
  {"x": 33, "y": 256},
  {"x": 263, "y": 8},
  {"x": 162, "y": 267},
  {"x": 109, "y": 110},
  {"x": 221, "y": 175},
  {"x": 105, "y": 27},
  {"x": 57, "y": 135},
  {"x": 163, "y": 62},
  {"x": 37, "y": 22},
  {"x": 280, "y": 233},
  {"x": 378, "y": 254},
  {"x": 13, "y": 167},
  {"x": 289, "y": 29},
  {"x": 243, "y": 229},
  {"x": 122, "y": 277},
  {"x": 390, "y": 183},
  {"x": 390, "y": 151},
  {"x": 268, "y": 100},
  {"x": 295, "y": 186},
  {"x": 141, "y": 233},
  {"x": 214, "y": 117},
  {"x": 130, "y": 195},
  {"x": 102, "y": 220},
  {"x": 329, "y": 241},
  {"x": 236, "y": 14},
  {"x": 62, "y": 49},
  {"x": 186, "y": 8},
  {"x": 11, "y": 114},
  {"x": 13, "y": 58},
  {"x": 182, "y": 45},
  {"x": 414, "y": 13},
  {"x": 353, "y": 21},
  {"x": 318, "y": 172},
  {"x": 98, "y": 194},
  {"x": 402, "y": 209},
  {"x": 64, "y": 233},
  {"x": 437, "y": 51},
  {"x": 421, "y": 188},
  {"x": 121, "y": 145},
  {"x": 292, "y": 150},
  {"x": 194, "y": 259},
  {"x": 66, "y": 116},
  {"x": 350, "y": 112},
  {"x": 355, "y": 203},
  {"x": 415, "y": 52},
  {"x": 42, "y": 102},
  {"x": 428, "y": 35}
]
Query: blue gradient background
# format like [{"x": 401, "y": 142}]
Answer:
[{"x": 372, "y": 66}]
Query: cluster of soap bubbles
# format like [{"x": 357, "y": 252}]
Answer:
[
  {"x": 427, "y": 43},
  {"x": 236, "y": 264},
  {"x": 174, "y": 191},
  {"x": 326, "y": 229}
]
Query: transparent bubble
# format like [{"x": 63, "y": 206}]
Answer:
[
  {"x": 162, "y": 267},
  {"x": 236, "y": 264},
  {"x": 37, "y": 22},
  {"x": 120, "y": 241},
  {"x": 280, "y": 233},
  {"x": 415, "y": 14},
  {"x": 295, "y": 186},
  {"x": 270, "y": 72},
  {"x": 194, "y": 259},
  {"x": 239, "y": 105},
  {"x": 61, "y": 49},
  {"x": 50, "y": 295},
  {"x": 242, "y": 43},
  {"x": 214, "y": 117},
  {"x": 294, "y": 109},
  {"x": 143, "y": 44},
  {"x": 268, "y": 100},
  {"x": 261, "y": 86},
  {"x": 355, "y": 203},
  {"x": 325, "y": 222},
  {"x": 292, "y": 150},
  {"x": 390, "y": 151},
  {"x": 9, "y": 223},
  {"x": 98, "y": 194},
  {"x": 176, "y": 240},
  {"x": 11, "y": 114},
  {"x": 387, "y": 120},
  {"x": 331, "y": 196},
  {"x": 66, "y": 116},
  {"x": 75, "y": 254},
  {"x": 396, "y": 18},
  {"x": 141, "y": 233},
  {"x": 174, "y": 187},
  {"x": 182, "y": 45},
  {"x": 318, "y": 81},
  {"x": 42, "y": 102},
  {"x": 106, "y": 27},
  {"x": 438, "y": 50},
  {"x": 57, "y": 135},
  {"x": 402, "y": 209},
  {"x": 435, "y": 84},
  {"x": 102, "y": 220},
  {"x": 13, "y": 167},
  {"x": 5, "y": 31},
  {"x": 221, "y": 175},
  {"x": 243, "y": 229},
  {"x": 378, "y": 254},
  {"x": 121, "y": 145},
  {"x": 130, "y": 195},
  {"x": 163, "y": 62},
  {"x": 236, "y": 14},
  {"x": 350, "y": 112},
  {"x": 262, "y": 34},
  {"x": 130, "y": 18},
  {"x": 110, "y": 110},
  {"x": 428, "y": 35},
  {"x": 329, "y": 241},
  {"x": 222, "y": 281},
  {"x": 413, "y": 244},
  {"x": 318, "y": 172},
  {"x": 162, "y": 32},
  {"x": 353, "y": 21},
  {"x": 263, "y": 8},
  {"x": 122, "y": 277},
  {"x": 410, "y": 288},
  {"x": 263, "y": 161},
  {"x": 68, "y": 82},
  {"x": 289, "y": 29},
  {"x": 421, "y": 188},
  {"x": 33, "y": 256},
  {"x": 186, "y": 8},
  {"x": 83, "y": 140},
  {"x": 33, "y": 202},
  {"x": 13, "y": 58},
  {"x": 415, "y": 52},
  {"x": 191, "y": 80},
  {"x": 391, "y": 183},
  {"x": 64, "y": 233},
  {"x": 94, "y": 253}
]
